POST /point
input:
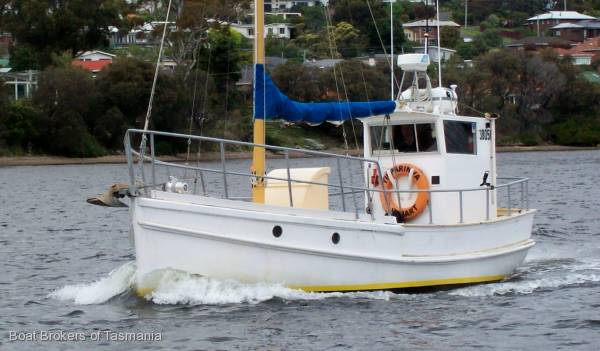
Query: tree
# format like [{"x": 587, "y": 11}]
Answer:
[
  {"x": 42, "y": 27},
  {"x": 194, "y": 19},
  {"x": 68, "y": 101},
  {"x": 450, "y": 37},
  {"x": 312, "y": 19},
  {"x": 348, "y": 40},
  {"x": 224, "y": 51},
  {"x": 487, "y": 40},
  {"x": 125, "y": 91},
  {"x": 19, "y": 125},
  {"x": 358, "y": 14},
  {"x": 298, "y": 82}
]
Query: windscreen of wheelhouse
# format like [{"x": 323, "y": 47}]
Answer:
[
  {"x": 404, "y": 138},
  {"x": 460, "y": 137}
]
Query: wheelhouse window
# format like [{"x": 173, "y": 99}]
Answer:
[
  {"x": 460, "y": 137},
  {"x": 419, "y": 137}
]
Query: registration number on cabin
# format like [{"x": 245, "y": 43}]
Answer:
[{"x": 485, "y": 134}]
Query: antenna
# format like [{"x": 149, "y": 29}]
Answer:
[
  {"x": 466, "y": 9},
  {"x": 426, "y": 28},
  {"x": 439, "y": 44}
]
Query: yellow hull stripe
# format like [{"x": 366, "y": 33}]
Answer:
[
  {"x": 414, "y": 284},
  {"x": 142, "y": 292}
]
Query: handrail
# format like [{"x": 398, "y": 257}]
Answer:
[{"x": 344, "y": 189}]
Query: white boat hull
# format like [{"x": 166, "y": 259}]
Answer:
[{"x": 227, "y": 239}]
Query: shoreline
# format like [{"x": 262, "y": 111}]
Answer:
[{"x": 45, "y": 160}]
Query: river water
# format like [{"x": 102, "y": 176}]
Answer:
[{"x": 68, "y": 267}]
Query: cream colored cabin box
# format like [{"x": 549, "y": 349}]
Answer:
[{"x": 303, "y": 195}]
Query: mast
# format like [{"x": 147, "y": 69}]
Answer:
[
  {"x": 258, "y": 153},
  {"x": 392, "y": 48},
  {"x": 439, "y": 44}
]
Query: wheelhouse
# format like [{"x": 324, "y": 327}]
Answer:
[{"x": 454, "y": 153}]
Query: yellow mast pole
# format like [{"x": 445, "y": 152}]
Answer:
[{"x": 258, "y": 154}]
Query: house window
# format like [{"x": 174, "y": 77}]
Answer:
[
  {"x": 460, "y": 137},
  {"x": 270, "y": 31},
  {"x": 251, "y": 32},
  {"x": 282, "y": 31},
  {"x": 404, "y": 138},
  {"x": 558, "y": 33}
]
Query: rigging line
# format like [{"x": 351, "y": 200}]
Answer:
[
  {"x": 152, "y": 91},
  {"x": 471, "y": 108},
  {"x": 362, "y": 73},
  {"x": 202, "y": 118},
  {"x": 189, "y": 141},
  {"x": 160, "y": 52},
  {"x": 192, "y": 112},
  {"x": 227, "y": 90},
  {"x": 332, "y": 49},
  {"x": 381, "y": 40}
]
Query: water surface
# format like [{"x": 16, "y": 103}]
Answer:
[{"x": 58, "y": 254}]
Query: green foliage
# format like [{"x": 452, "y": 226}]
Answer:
[
  {"x": 450, "y": 37},
  {"x": 577, "y": 132},
  {"x": 281, "y": 47},
  {"x": 465, "y": 50},
  {"x": 269, "y": 19},
  {"x": 356, "y": 12},
  {"x": 42, "y": 27},
  {"x": 312, "y": 19},
  {"x": 19, "y": 125},
  {"x": 126, "y": 86},
  {"x": 68, "y": 100},
  {"x": 224, "y": 50},
  {"x": 487, "y": 40},
  {"x": 347, "y": 39},
  {"x": 538, "y": 96},
  {"x": 479, "y": 10},
  {"x": 23, "y": 57}
]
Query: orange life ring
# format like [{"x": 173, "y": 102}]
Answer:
[{"x": 388, "y": 200}]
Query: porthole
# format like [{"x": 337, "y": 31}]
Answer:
[
  {"x": 335, "y": 238},
  {"x": 277, "y": 231}
]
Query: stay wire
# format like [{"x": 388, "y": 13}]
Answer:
[
  {"x": 152, "y": 92},
  {"x": 333, "y": 49},
  {"x": 389, "y": 62}
]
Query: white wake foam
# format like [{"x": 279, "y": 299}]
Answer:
[
  {"x": 580, "y": 271},
  {"x": 117, "y": 282},
  {"x": 176, "y": 287},
  {"x": 525, "y": 286}
]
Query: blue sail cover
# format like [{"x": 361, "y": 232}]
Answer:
[{"x": 270, "y": 103}]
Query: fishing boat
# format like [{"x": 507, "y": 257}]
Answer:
[{"x": 423, "y": 206}]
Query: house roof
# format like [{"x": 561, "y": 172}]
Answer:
[
  {"x": 561, "y": 15},
  {"x": 567, "y": 26},
  {"x": 590, "y": 24},
  {"x": 326, "y": 63},
  {"x": 434, "y": 47},
  {"x": 590, "y": 47},
  {"x": 430, "y": 23},
  {"x": 92, "y": 52},
  {"x": 541, "y": 41},
  {"x": 592, "y": 44},
  {"x": 92, "y": 66}
]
